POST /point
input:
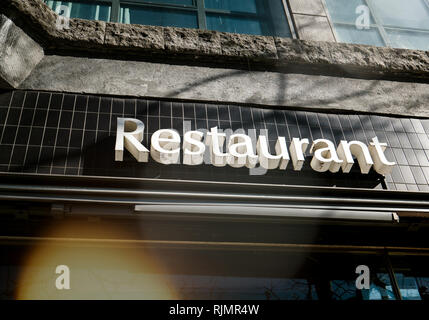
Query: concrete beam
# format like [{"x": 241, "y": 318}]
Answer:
[
  {"x": 19, "y": 54},
  {"x": 208, "y": 48},
  {"x": 144, "y": 79}
]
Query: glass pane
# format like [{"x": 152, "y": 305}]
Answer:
[
  {"x": 265, "y": 19},
  {"x": 249, "y": 6},
  {"x": 344, "y": 10},
  {"x": 175, "y": 2},
  {"x": 380, "y": 289},
  {"x": 408, "y": 287},
  {"x": 159, "y": 16},
  {"x": 412, "y": 275},
  {"x": 350, "y": 34},
  {"x": 338, "y": 278},
  {"x": 403, "y": 13},
  {"x": 235, "y": 24},
  {"x": 408, "y": 39},
  {"x": 246, "y": 288},
  {"x": 75, "y": 9}
]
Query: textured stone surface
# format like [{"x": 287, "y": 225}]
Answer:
[
  {"x": 366, "y": 59},
  {"x": 313, "y": 28},
  {"x": 115, "y": 77},
  {"x": 157, "y": 43},
  {"x": 314, "y": 7},
  {"x": 19, "y": 54},
  {"x": 131, "y": 36},
  {"x": 32, "y": 13},
  {"x": 182, "y": 40},
  {"x": 248, "y": 46},
  {"x": 83, "y": 31},
  {"x": 35, "y": 10},
  {"x": 41, "y": 22}
]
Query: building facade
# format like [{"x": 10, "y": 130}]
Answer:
[{"x": 209, "y": 149}]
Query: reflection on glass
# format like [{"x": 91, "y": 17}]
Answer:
[
  {"x": 411, "y": 287},
  {"x": 90, "y": 11},
  {"x": 174, "y": 2},
  {"x": 249, "y": 6},
  {"x": 246, "y": 288},
  {"x": 412, "y": 276},
  {"x": 250, "y": 17},
  {"x": 158, "y": 16},
  {"x": 423, "y": 286},
  {"x": 408, "y": 39},
  {"x": 380, "y": 289},
  {"x": 344, "y": 11},
  {"x": 396, "y": 23},
  {"x": 404, "y": 14},
  {"x": 349, "y": 34},
  {"x": 239, "y": 24}
]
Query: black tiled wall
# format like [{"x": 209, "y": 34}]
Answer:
[{"x": 54, "y": 133}]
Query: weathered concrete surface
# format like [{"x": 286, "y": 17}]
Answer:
[
  {"x": 86, "y": 33},
  {"x": 40, "y": 22},
  {"x": 176, "y": 45},
  {"x": 249, "y": 46},
  {"x": 19, "y": 54},
  {"x": 192, "y": 41},
  {"x": 357, "y": 58},
  {"x": 100, "y": 76},
  {"x": 134, "y": 36}
]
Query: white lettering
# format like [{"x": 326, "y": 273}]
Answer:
[
  {"x": 269, "y": 161},
  {"x": 297, "y": 149},
  {"x": 381, "y": 164},
  {"x": 130, "y": 133},
  {"x": 193, "y": 148},
  {"x": 346, "y": 151},
  {"x": 325, "y": 157},
  {"x": 241, "y": 151},
  {"x": 215, "y": 141},
  {"x": 165, "y": 146}
]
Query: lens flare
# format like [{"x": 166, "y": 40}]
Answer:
[{"x": 98, "y": 270}]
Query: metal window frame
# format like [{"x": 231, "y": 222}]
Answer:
[
  {"x": 392, "y": 276},
  {"x": 197, "y": 6}
]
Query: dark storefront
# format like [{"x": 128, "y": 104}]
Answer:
[
  {"x": 60, "y": 179},
  {"x": 75, "y": 204}
]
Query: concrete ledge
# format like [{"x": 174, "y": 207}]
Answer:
[
  {"x": 133, "y": 37},
  {"x": 368, "y": 60},
  {"x": 145, "y": 79},
  {"x": 206, "y": 48},
  {"x": 19, "y": 54}
]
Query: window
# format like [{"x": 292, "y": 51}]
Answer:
[
  {"x": 99, "y": 10},
  {"x": 257, "y": 17},
  {"x": 392, "y": 23},
  {"x": 412, "y": 276}
]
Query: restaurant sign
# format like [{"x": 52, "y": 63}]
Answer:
[{"x": 240, "y": 151}]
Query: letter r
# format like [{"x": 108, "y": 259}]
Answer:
[{"x": 129, "y": 133}]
